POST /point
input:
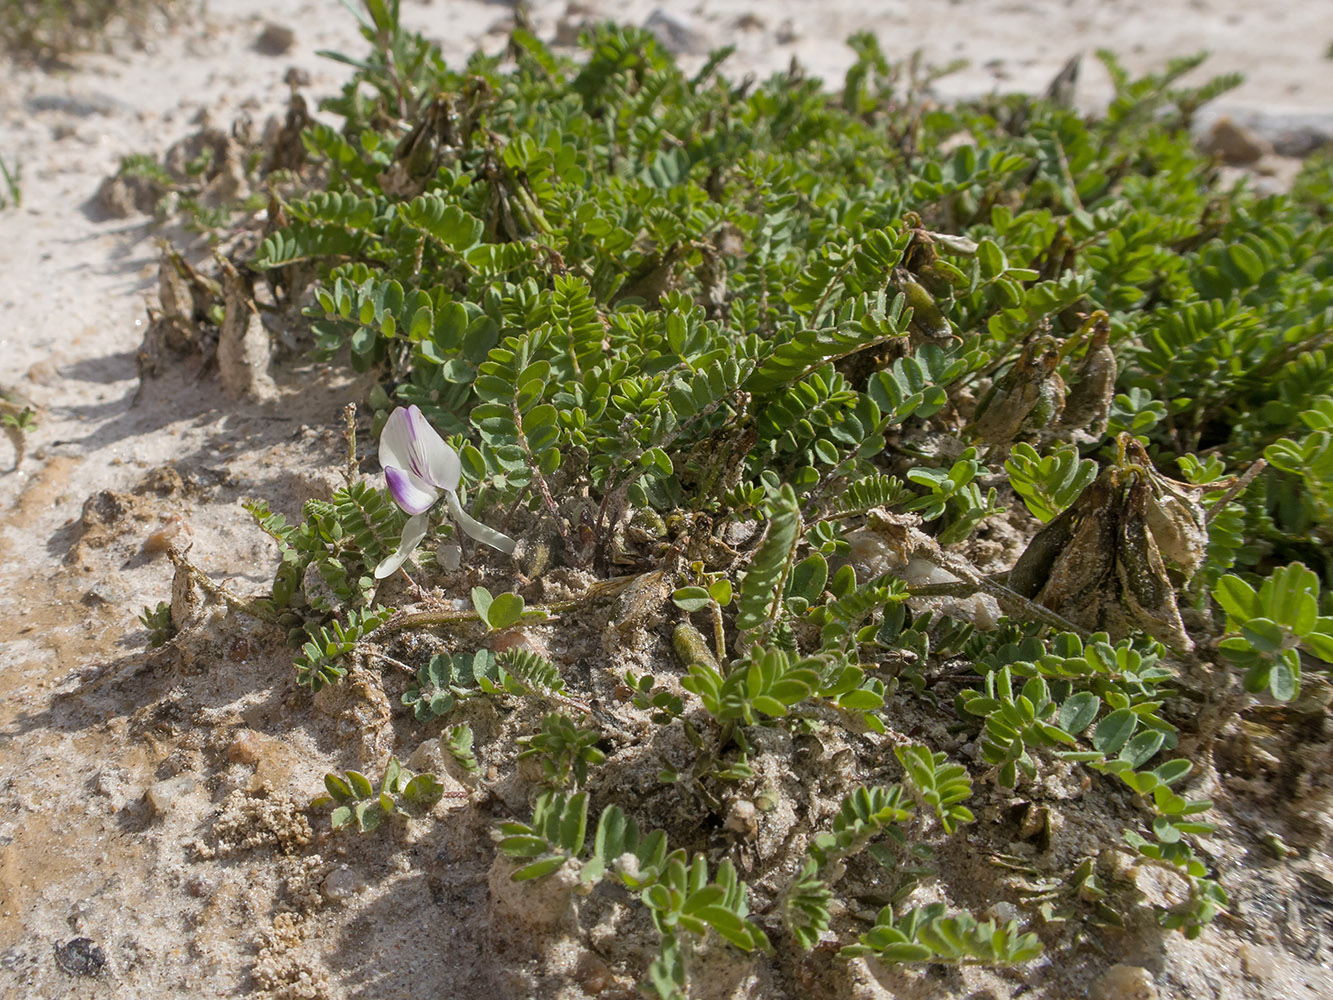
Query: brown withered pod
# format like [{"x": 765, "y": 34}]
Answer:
[
  {"x": 1088, "y": 403},
  {"x": 1113, "y": 560},
  {"x": 924, "y": 278},
  {"x": 1026, "y": 399}
]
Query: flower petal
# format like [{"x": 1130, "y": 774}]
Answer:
[
  {"x": 396, "y": 440},
  {"x": 413, "y": 532},
  {"x": 475, "y": 529},
  {"x": 443, "y": 468},
  {"x": 409, "y": 442},
  {"x": 410, "y": 493}
]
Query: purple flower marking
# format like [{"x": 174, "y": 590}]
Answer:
[{"x": 419, "y": 468}]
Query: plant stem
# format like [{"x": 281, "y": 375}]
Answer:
[
  {"x": 719, "y": 636},
  {"x": 542, "y": 488},
  {"x": 218, "y": 591},
  {"x": 1234, "y": 490},
  {"x": 349, "y": 434}
]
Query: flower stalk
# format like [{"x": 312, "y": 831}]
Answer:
[{"x": 420, "y": 469}]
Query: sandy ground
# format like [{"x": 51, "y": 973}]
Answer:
[{"x": 88, "y": 724}]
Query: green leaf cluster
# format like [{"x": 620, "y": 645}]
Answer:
[
  {"x": 928, "y": 934},
  {"x": 448, "y": 677},
  {"x": 564, "y": 750},
  {"x": 328, "y": 560},
  {"x": 320, "y": 661},
  {"x": 356, "y": 801},
  {"x": 684, "y": 902},
  {"x": 159, "y": 624},
  {"x": 1048, "y": 484},
  {"x": 1270, "y": 627}
]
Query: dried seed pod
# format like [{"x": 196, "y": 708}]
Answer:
[
  {"x": 691, "y": 646},
  {"x": 422, "y": 151},
  {"x": 174, "y": 288},
  {"x": 1103, "y": 563},
  {"x": 1080, "y": 583},
  {"x": 1174, "y": 515},
  {"x": 640, "y": 603},
  {"x": 1178, "y": 525},
  {"x": 958, "y": 245},
  {"x": 1050, "y": 401},
  {"x": 920, "y": 258},
  {"x": 288, "y": 151},
  {"x": 1145, "y": 588},
  {"x": 1060, "y": 91},
  {"x": 928, "y": 321},
  {"x": 934, "y": 279},
  {"x": 1032, "y": 571},
  {"x": 1028, "y": 398},
  {"x": 1088, "y": 405}
]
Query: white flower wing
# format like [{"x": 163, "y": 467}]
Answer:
[
  {"x": 475, "y": 529},
  {"x": 410, "y": 493},
  {"x": 443, "y": 468},
  {"x": 413, "y": 532},
  {"x": 396, "y": 440}
]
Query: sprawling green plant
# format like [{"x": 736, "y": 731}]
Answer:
[{"x": 753, "y": 356}]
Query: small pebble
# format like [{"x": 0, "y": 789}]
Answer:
[
  {"x": 114, "y": 783},
  {"x": 743, "y": 818},
  {"x": 80, "y": 957},
  {"x": 1124, "y": 982},
  {"x": 449, "y": 556},
  {"x": 518, "y": 638},
  {"x": 1257, "y": 963},
  {"x": 243, "y": 748},
  {"x": 164, "y": 796},
  {"x": 592, "y": 974},
  {"x": 79, "y": 105},
  {"x": 275, "y": 40},
  {"x": 569, "y": 27},
  {"x": 1234, "y": 144},
  {"x": 677, "y": 33},
  {"x": 426, "y": 757},
  {"x": 171, "y": 534},
  {"x": 343, "y": 884},
  {"x": 1300, "y": 141},
  {"x": 200, "y": 886}
]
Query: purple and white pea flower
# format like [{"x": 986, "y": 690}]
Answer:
[{"x": 420, "y": 468}]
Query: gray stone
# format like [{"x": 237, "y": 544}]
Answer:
[
  {"x": 678, "y": 34},
  {"x": 1257, "y": 962},
  {"x": 78, "y": 105},
  {"x": 114, "y": 784},
  {"x": 571, "y": 25},
  {"x": 1233, "y": 143},
  {"x": 80, "y": 957},
  {"x": 343, "y": 884},
  {"x": 275, "y": 39},
  {"x": 165, "y": 796},
  {"x": 1300, "y": 141},
  {"x": 1124, "y": 982}
]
